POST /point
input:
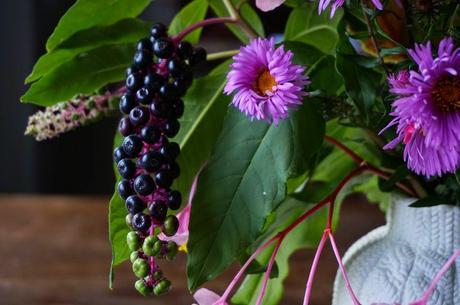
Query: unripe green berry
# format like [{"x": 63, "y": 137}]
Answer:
[
  {"x": 133, "y": 240},
  {"x": 158, "y": 275},
  {"x": 162, "y": 287},
  {"x": 157, "y": 247},
  {"x": 170, "y": 225},
  {"x": 148, "y": 246},
  {"x": 129, "y": 219},
  {"x": 142, "y": 287},
  {"x": 134, "y": 255},
  {"x": 171, "y": 250},
  {"x": 141, "y": 267}
]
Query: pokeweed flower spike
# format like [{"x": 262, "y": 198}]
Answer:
[
  {"x": 427, "y": 110},
  {"x": 151, "y": 107},
  {"x": 66, "y": 116},
  {"x": 266, "y": 81}
]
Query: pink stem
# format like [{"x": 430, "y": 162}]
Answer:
[
  {"x": 313, "y": 268},
  {"x": 342, "y": 269},
  {"x": 203, "y": 23},
  {"x": 268, "y": 271}
]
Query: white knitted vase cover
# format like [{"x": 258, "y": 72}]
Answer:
[{"x": 395, "y": 263}]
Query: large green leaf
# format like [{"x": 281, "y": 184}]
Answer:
[
  {"x": 85, "y": 14},
  {"x": 125, "y": 31},
  {"x": 243, "y": 182},
  {"x": 305, "y": 25},
  {"x": 194, "y": 12},
  {"x": 83, "y": 74}
]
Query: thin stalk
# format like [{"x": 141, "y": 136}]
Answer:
[
  {"x": 204, "y": 23},
  {"x": 268, "y": 271},
  {"x": 220, "y": 55},
  {"x": 241, "y": 22}
]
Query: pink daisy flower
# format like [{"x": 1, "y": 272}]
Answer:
[
  {"x": 266, "y": 81},
  {"x": 427, "y": 110}
]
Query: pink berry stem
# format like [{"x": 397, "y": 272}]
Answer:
[
  {"x": 203, "y": 23},
  {"x": 313, "y": 268}
]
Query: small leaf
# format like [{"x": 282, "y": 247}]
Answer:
[
  {"x": 430, "y": 201},
  {"x": 83, "y": 74},
  {"x": 194, "y": 12},
  {"x": 399, "y": 175},
  {"x": 85, "y": 14}
]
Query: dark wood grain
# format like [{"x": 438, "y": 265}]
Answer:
[{"x": 54, "y": 251}]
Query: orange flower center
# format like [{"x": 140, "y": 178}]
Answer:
[
  {"x": 265, "y": 82},
  {"x": 446, "y": 94}
]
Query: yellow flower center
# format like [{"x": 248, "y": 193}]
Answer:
[
  {"x": 265, "y": 82},
  {"x": 446, "y": 94}
]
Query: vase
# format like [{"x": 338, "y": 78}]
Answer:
[{"x": 395, "y": 263}]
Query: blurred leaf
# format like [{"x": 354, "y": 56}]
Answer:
[
  {"x": 83, "y": 74},
  {"x": 252, "y": 18},
  {"x": 85, "y": 14},
  {"x": 194, "y": 12},
  {"x": 237, "y": 190},
  {"x": 123, "y": 32},
  {"x": 305, "y": 25},
  {"x": 430, "y": 201}
]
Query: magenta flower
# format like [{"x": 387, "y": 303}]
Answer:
[
  {"x": 427, "y": 110},
  {"x": 323, "y": 4},
  {"x": 266, "y": 81},
  {"x": 268, "y": 5}
]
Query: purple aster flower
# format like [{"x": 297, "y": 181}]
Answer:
[
  {"x": 427, "y": 110},
  {"x": 323, "y": 4},
  {"x": 266, "y": 81}
]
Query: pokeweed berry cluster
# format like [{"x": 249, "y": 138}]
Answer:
[{"x": 146, "y": 159}]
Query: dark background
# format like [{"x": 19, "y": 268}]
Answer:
[{"x": 80, "y": 161}]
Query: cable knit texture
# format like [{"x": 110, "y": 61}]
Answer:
[{"x": 394, "y": 264}]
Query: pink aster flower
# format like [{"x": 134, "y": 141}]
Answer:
[
  {"x": 427, "y": 110},
  {"x": 266, "y": 81},
  {"x": 268, "y": 5},
  {"x": 323, "y": 4}
]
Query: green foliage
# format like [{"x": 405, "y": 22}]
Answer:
[
  {"x": 85, "y": 14},
  {"x": 194, "y": 12},
  {"x": 238, "y": 190}
]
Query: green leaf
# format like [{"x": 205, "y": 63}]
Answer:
[
  {"x": 85, "y": 14},
  {"x": 83, "y": 74},
  {"x": 252, "y": 18},
  {"x": 430, "y": 201},
  {"x": 305, "y": 25},
  {"x": 237, "y": 190},
  {"x": 123, "y": 32},
  {"x": 194, "y": 12}
]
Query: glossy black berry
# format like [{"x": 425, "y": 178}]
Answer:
[
  {"x": 173, "y": 170},
  {"x": 141, "y": 222},
  {"x": 177, "y": 67},
  {"x": 132, "y": 70},
  {"x": 158, "y": 210},
  {"x": 179, "y": 87},
  {"x": 171, "y": 128},
  {"x": 134, "y": 81},
  {"x": 187, "y": 78},
  {"x": 124, "y": 189},
  {"x": 174, "y": 200},
  {"x": 170, "y": 151},
  {"x": 163, "y": 47},
  {"x": 153, "y": 82},
  {"x": 161, "y": 109},
  {"x": 198, "y": 56},
  {"x": 178, "y": 108},
  {"x": 134, "y": 204},
  {"x": 150, "y": 134},
  {"x": 158, "y": 30},
  {"x": 127, "y": 103},
  {"x": 163, "y": 179},
  {"x": 139, "y": 116},
  {"x": 125, "y": 127},
  {"x": 143, "y": 58},
  {"x": 184, "y": 49},
  {"x": 118, "y": 154},
  {"x": 151, "y": 161},
  {"x": 168, "y": 91},
  {"x": 126, "y": 168},
  {"x": 144, "y": 44},
  {"x": 144, "y": 96},
  {"x": 132, "y": 146},
  {"x": 144, "y": 185}
]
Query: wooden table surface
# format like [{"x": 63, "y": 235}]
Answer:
[{"x": 54, "y": 250}]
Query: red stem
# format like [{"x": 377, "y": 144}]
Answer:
[
  {"x": 203, "y": 23},
  {"x": 345, "y": 149}
]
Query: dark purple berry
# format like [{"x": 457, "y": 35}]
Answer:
[
  {"x": 158, "y": 30},
  {"x": 144, "y": 96},
  {"x": 143, "y": 58},
  {"x": 124, "y": 189},
  {"x": 153, "y": 82},
  {"x": 158, "y": 210},
  {"x": 134, "y": 81},
  {"x": 144, "y": 185},
  {"x": 118, "y": 154},
  {"x": 174, "y": 200},
  {"x": 132, "y": 70},
  {"x": 168, "y": 91},
  {"x": 126, "y": 168},
  {"x": 173, "y": 170},
  {"x": 139, "y": 116},
  {"x": 162, "y": 179},
  {"x": 187, "y": 78},
  {"x": 141, "y": 222},
  {"x": 132, "y": 146},
  {"x": 124, "y": 127},
  {"x": 178, "y": 108},
  {"x": 179, "y": 87},
  {"x": 161, "y": 109},
  {"x": 177, "y": 67},
  {"x": 144, "y": 44},
  {"x": 150, "y": 134},
  {"x": 170, "y": 151},
  {"x": 135, "y": 204},
  {"x": 184, "y": 49},
  {"x": 171, "y": 128},
  {"x": 198, "y": 56},
  {"x": 163, "y": 47},
  {"x": 127, "y": 103},
  {"x": 151, "y": 161}
]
